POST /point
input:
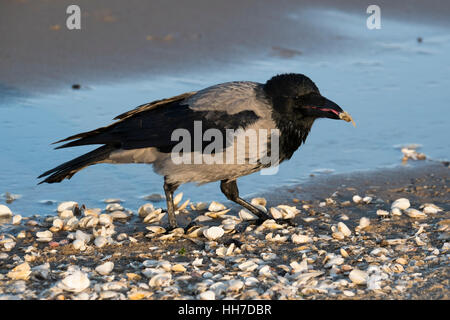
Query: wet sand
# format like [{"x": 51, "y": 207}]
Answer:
[{"x": 146, "y": 39}]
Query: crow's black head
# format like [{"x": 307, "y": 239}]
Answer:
[{"x": 296, "y": 96}]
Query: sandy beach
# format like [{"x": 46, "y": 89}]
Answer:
[{"x": 334, "y": 235}]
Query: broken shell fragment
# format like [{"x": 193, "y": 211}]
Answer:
[{"x": 213, "y": 233}]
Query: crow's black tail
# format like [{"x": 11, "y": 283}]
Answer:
[{"x": 68, "y": 169}]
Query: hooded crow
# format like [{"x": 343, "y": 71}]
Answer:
[{"x": 273, "y": 119}]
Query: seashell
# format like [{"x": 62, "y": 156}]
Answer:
[
  {"x": 154, "y": 216},
  {"x": 119, "y": 215},
  {"x": 100, "y": 241},
  {"x": 201, "y": 206},
  {"x": 16, "y": 219},
  {"x": 429, "y": 208},
  {"x": 235, "y": 285},
  {"x": 270, "y": 224},
  {"x": 44, "y": 234},
  {"x": 299, "y": 267},
  {"x": 88, "y": 222},
  {"x": 156, "y": 229},
  {"x": 79, "y": 245},
  {"x": 248, "y": 265},
  {"x": 196, "y": 231},
  {"x": 414, "y": 213},
  {"x": 401, "y": 203},
  {"x": 105, "y": 268},
  {"x": 207, "y": 295},
  {"x": 357, "y": 199},
  {"x": 276, "y": 214},
  {"x": 71, "y": 224},
  {"x": 300, "y": 239},
  {"x": 76, "y": 282},
  {"x": 396, "y": 211},
  {"x": 80, "y": 235},
  {"x": 244, "y": 214},
  {"x": 20, "y": 272},
  {"x": 364, "y": 222},
  {"x": 184, "y": 205},
  {"x": 216, "y": 206},
  {"x": 92, "y": 212},
  {"x": 358, "y": 277},
  {"x": 338, "y": 235},
  {"x": 105, "y": 219},
  {"x": 288, "y": 212},
  {"x": 367, "y": 200},
  {"x": 58, "y": 223},
  {"x": 145, "y": 209},
  {"x": 382, "y": 213},
  {"x": 177, "y": 199},
  {"x": 160, "y": 280},
  {"x": 259, "y": 202},
  {"x": 178, "y": 268},
  {"x": 67, "y": 205},
  {"x": 216, "y": 214},
  {"x": 344, "y": 253},
  {"x": 112, "y": 200},
  {"x": 344, "y": 229},
  {"x": 114, "y": 207},
  {"x": 277, "y": 238},
  {"x": 229, "y": 226},
  {"x": 66, "y": 214},
  {"x": 265, "y": 271},
  {"x": 419, "y": 242},
  {"x": 5, "y": 212},
  {"x": 213, "y": 233}
]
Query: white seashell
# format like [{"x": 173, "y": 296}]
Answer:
[
  {"x": 248, "y": 265},
  {"x": 276, "y": 214},
  {"x": 251, "y": 281},
  {"x": 16, "y": 219},
  {"x": 300, "y": 239},
  {"x": 358, "y": 276},
  {"x": 344, "y": 229},
  {"x": 401, "y": 203},
  {"x": 160, "y": 280},
  {"x": 244, "y": 214},
  {"x": 154, "y": 216},
  {"x": 105, "y": 268},
  {"x": 156, "y": 229},
  {"x": 88, "y": 222},
  {"x": 207, "y": 295},
  {"x": 105, "y": 219},
  {"x": 299, "y": 267},
  {"x": 213, "y": 233},
  {"x": 216, "y": 206},
  {"x": 429, "y": 208},
  {"x": 196, "y": 232},
  {"x": 92, "y": 212},
  {"x": 183, "y": 206},
  {"x": 100, "y": 241},
  {"x": 396, "y": 211},
  {"x": 80, "y": 235},
  {"x": 119, "y": 215},
  {"x": 79, "y": 245},
  {"x": 367, "y": 200},
  {"x": 76, "y": 282},
  {"x": 338, "y": 235},
  {"x": 335, "y": 261},
  {"x": 356, "y": 199},
  {"x": 343, "y": 253},
  {"x": 145, "y": 209},
  {"x": 414, "y": 213},
  {"x": 364, "y": 222},
  {"x": 10, "y": 245},
  {"x": 265, "y": 271},
  {"x": 235, "y": 285},
  {"x": 58, "y": 223},
  {"x": 216, "y": 214},
  {"x": 20, "y": 272},
  {"x": 67, "y": 205},
  {"x": 44, "y": 234},
  {"x": 201, "y": 206},
  {"x": 5, "y": 212},
  {"x": 177, "y": 199},
  {"x": 259, "y": 202},
  {"x": 66, "y": 214},
  {"x": 114, "y": 207},
  {"x": 288, "y": 212},
  {"x": 71, "y": 224}
]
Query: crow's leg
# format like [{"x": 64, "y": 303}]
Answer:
[
  {"x": 169, "y": 189},
  {"x": 230, "y": 190}
]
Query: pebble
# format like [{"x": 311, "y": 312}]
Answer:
[
  {"x": 401, "y": 203},
  {"x": 75, "y": 282},
  {"x": 213, "y": 233},
  {"x": 358, "y": 276},
  {"x": 364, "y": 222},
  {"x": 105, "y": 268}
]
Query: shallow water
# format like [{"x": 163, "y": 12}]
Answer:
[{"x": 396, "y": 89}]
